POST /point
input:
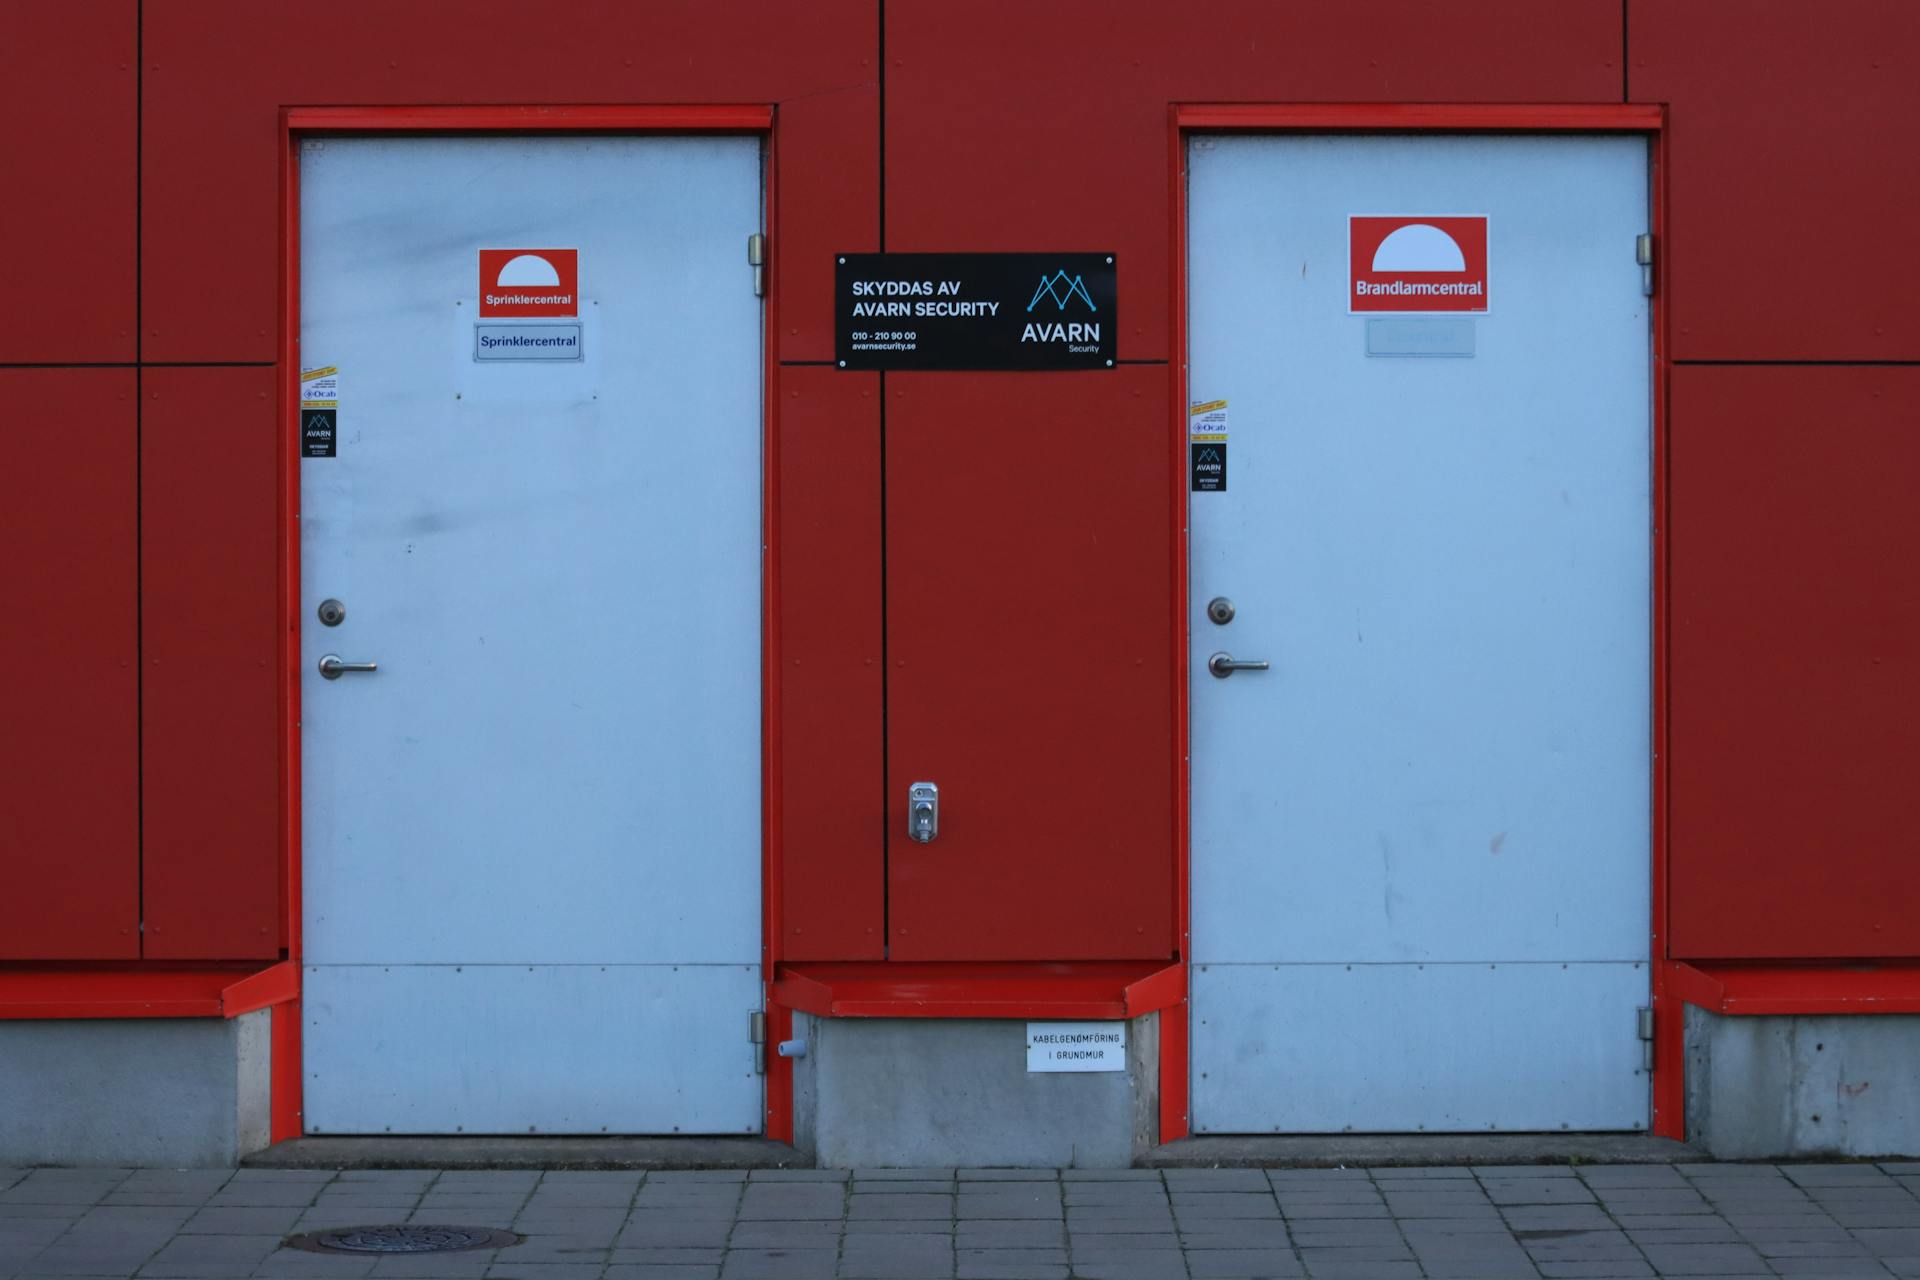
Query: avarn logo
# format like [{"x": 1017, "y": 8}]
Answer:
[{"x": 1063, "y": 290}]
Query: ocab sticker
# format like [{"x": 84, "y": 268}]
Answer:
[{"x": 1417, "y": 262}]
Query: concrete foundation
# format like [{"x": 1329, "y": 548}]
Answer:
[
  {"x": 1794, "y": 1087},
  {"x": 172, "y": 1092},
  {"x": 931, "y": 1092}
]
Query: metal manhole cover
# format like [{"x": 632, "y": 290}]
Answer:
[{"x": 402, "y": 1239}]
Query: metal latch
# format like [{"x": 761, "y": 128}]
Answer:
[
  {"x": 757, "y": 1032},
  {"x": 1646, "y": 1039},
  {"x": 923, "y": 811},
  {"x": 757, "y": 259},
  {"x": 1643, "y": 254}
]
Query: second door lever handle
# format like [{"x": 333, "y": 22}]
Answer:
[{"x": 1223, "y": 665}]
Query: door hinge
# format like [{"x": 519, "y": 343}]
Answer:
[
  {"x": 757, "y": 1033},
  {"x": 1643, "y": 254},
  {"x": 757, "y": 259},
  {"x": 1646, "y": 1038}
]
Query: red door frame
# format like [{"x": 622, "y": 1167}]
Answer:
[
  {"x": 1667, "y": 1085},
  {"x": 299, "y": 122}
]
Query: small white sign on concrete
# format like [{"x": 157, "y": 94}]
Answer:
[{"x": 1076, "y": 1046}]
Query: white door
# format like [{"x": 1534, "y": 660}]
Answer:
[
  {"x": 532, "y": 836},
  {"x": 1421, "y": 836}
]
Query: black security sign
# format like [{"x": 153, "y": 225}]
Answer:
[
  {"x": 1209, "y": 459},
  {"x": 976, "y": 310},
  {"x": 318, "y": 428}
]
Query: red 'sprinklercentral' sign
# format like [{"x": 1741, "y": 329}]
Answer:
[
  {"x": 529, "y": 282},
  {"x": 1413, "y": 262}
]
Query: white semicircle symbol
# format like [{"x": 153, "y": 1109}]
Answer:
[
  {"x": 1419, "y": 246},
  {"x": 532, "y": 270}
]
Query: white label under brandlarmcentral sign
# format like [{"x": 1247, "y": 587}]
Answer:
[
  {"x": 1076, "y": 1046},
  {"x": 526, "y": 342}
]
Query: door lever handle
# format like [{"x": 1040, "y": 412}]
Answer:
[
  {"x": 332, "y": 666},
  {"x": 1225, "y": 664}
]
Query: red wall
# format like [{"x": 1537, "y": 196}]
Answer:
[
  {"x": 920, "y": 635},
  {"x": 69, "y": 731},
  {"x": 1795, "y": 642}
]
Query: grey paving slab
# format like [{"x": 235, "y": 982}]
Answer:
[
  {"x": 523, "y": 1270},
  {"x": 1609, "y": 1269},
  {"x": 1007, "y": 1175},
  {"x": 266, "y": 1194},
  {"x": 298, "y": 1264},
  {"x": 1704, "y": 1259},
  {"x": 1216, "y": 1179},
  {"x": 652, "y": 1232},
  {"x": 283, "y": 1175},
  {"x": 915, "y": 1248},
  {"x": 1011, "y": 1201},
  {"x": 795, "y": 1200},
  {"x": 1010, "y": 1233},
  {"x": 1189, "y": 1209},
  {"x": 1568, "y": 1190},
  {"x": 210, "y": 1257},
  {"x": 1010, "y": 1264},
  {"x": 671, "y": 1177},
  {"x": 1363, "y": 1269},
  {"x": 1110, "y": 1175},
  {"x": 231, "y": 1221},
  {"x": 1890, "y": 1241},
  {"x": 771, "y": 1233},
  {"x": 894, "y": 1226},
  {"x": 1145, "y": 1265},
  {"x": 446, "y": 1266},
  {"x": 1632, "y": 1175},
  {"x": 799, "y": 1175},
  {"x": 917, "y": 1205},
  {"x": 1244, "y": 1264},
  {"x": 1113, "y": 1193},
  {"x": 713, "y": 1257},
  {"x": 780, "y": 1264},
  {"x": 1235, "y": 1233},
  {"x": 1331, "y": 1210}
]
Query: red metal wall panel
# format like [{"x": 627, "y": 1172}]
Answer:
[
  {"x": 1795, "y": 662},
  {"x": 67, "y": 156},
  {"x": 69, "y": 755},
  {"x": 211, "y": 719},
  {"x": 834, "y": 880},
  {"x": 1791, "y": 141},
  {"x": 1013, "y": 125},
  {"x": 1027, "y": 634},
  {"x": 211, "y": 125}
]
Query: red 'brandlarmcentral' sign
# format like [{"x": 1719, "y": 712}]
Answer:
[
  {"x": 529, "y": 282},
  {"x": 1410, "y": 262}
]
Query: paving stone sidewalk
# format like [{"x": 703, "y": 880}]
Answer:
[{"x": 1591, "y": 1222}]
